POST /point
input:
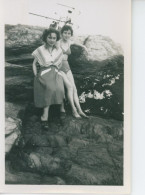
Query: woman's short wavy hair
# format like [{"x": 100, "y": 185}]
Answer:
[
  {"x": 66, "y": 28},
  {"x": 47, "y": 32}
]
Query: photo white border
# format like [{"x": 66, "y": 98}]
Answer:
[{"x": 125, "y": 189}]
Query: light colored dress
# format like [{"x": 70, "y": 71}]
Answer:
[{"x": 48, "y": 84}]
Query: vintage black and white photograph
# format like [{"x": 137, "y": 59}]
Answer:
[{"x": 65, "y": 89}]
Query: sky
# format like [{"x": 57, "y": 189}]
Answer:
[{"x": 97, "y": 17}]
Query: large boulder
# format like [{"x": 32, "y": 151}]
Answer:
[
  {"x": 101, "y": 48},
  {"x": 21, "y": 39}
]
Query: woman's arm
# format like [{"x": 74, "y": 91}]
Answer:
[
  {"x": 78, "y": 44},
  {"x": 60, "y": 60},
  {"x": 34, "y": 66}
]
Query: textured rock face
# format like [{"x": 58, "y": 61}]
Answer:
[
  {"x": 21, "y": 40},
  {"x": 12, "y": 133},
  {"x": 13, "y": 177},
  {"x": 18, "y": 84},
  {"x": 101, "y": 48},
  {"x": 80, "y": 152}
]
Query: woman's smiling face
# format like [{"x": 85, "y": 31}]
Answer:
[
  {"x": 51, "y": 39},
  {"x": 66, "y": 35}
]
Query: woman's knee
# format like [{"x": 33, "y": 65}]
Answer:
[
  {"x": 70, "y": 88},
  {"x": 67, "y": 83}
]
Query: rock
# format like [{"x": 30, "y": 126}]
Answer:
[
  {"x": 98, "y": 48},
  {"x": 14, "y": 109},
  {"x": 12, "y": 133},
  {"x": 23, "y": 39},
  {"x": 83, "y": 176},
  {"x": 101, "y": 48},
  {"x": 81, "y": 152},
  {"x": 13, "y": 177},
  {"x": 19, "y": 84}
]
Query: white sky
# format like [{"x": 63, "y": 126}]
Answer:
[{"x": 104, "y": 17}]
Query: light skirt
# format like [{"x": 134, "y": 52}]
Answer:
[{"x": 48, "y": 87}]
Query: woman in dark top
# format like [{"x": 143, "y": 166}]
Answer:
[{"x": 65, "y": 43}]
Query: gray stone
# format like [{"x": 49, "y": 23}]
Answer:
[{"x": 12, "y": 133}]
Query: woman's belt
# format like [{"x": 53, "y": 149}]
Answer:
[{"x": 45, "y": 70}]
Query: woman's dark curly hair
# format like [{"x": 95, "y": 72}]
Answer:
[
  {"x": 46, "y": 32},
  {"x": 66, "y": 28}
]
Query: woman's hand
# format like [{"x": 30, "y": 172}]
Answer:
[
  {"x": 34, "y": 67},
  {"x": 85, "y": 48}
]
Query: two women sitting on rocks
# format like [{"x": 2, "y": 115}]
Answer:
[{"x": 54, "y": 74}]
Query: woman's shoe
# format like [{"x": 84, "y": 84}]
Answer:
[{"x": 44, "y": 124}]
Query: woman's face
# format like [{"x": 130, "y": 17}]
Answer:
[
  {"x": 51, "y": 39},
  {"x": 66, "y": 35}
]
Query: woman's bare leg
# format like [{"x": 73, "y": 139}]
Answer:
[
  {"x": 44, "y": 117},
  {"x": 69, "y": 95},
  {"x": 75, "y": 94}
]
